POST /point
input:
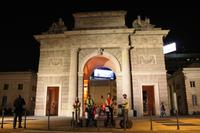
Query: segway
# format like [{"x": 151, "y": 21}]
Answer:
[{"x": 129, "y": 122}]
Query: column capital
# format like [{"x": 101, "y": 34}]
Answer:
[
  {"x": 80, "y": 74},
  {"x": 75, "y": 50}
]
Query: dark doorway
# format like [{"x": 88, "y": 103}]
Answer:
[
  {"x": 148, "y": 100},
  {"x": 52, "y": 101}
]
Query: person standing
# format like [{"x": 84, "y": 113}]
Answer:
[
  {"x": 18, "y": 110},
  {"x": 109, "y": 109},
  {"x": 53, "y": 108},
  {"x": 102, "y": 106},
  {"x": 90, "y": 109},
  {"x": 125, "y": 106},
  {"x": 77, "y": 107},
  {"x": 162, "y": 110}
]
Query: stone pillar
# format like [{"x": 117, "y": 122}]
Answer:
[
  {"x": 80, "y": 90},
  {"x": 119, "y": 87},
  {"x": 126, "y": 74},
  {"x": 73, "y": 78}
]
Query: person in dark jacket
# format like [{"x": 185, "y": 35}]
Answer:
[
  {"x": 18, "y": 111},
  {"x": 109, "y": 110},
  {"x": 162, "y": 110}
]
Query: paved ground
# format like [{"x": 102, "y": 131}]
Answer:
[{"x": 140, "y": 125}]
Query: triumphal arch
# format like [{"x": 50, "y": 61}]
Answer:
[{"x": 100, "y": 55}]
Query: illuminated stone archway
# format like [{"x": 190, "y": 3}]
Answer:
[
  {"x": 94, "y": 61},
  {"x": 116, "y": 67},
  {"x": 102, "y": 39}
]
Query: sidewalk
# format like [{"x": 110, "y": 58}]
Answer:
[{"x": 140, "y": 125}]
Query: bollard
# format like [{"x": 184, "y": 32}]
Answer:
[
  {"x": 2, "y": 120},
  {"x": 48, "y": 119},
  {"x": 177, "y": 120},
  {"x": 151, "y": 124},
  {"x": 73, "y": 119},
  {"x": 25, "y": 119}
]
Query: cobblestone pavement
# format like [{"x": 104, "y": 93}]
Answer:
[{"x": 140, "y": 125}]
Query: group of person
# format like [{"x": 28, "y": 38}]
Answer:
[{"x": 92, "y": 111}]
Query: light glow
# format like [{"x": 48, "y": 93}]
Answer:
[
  {"x": 100, "y": 73},
  {"x": 169, "y": 48}
]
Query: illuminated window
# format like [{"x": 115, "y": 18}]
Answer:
[
  {"x": 192, "y": 83},
  {"x": 194, "y": 100},
  {"x": 6, "y": 86}
]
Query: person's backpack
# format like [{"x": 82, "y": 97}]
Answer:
[{"x": 90, "y": 102}]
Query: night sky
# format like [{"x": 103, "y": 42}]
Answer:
[{"x": 20, "y": 21}]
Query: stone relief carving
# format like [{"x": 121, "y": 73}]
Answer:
[
  {"x": 100, "y": 51},
  {"x": 74, "y": 51},
  {"x": 147, "y": 59},
  {"x": 55, "y": 61},
  {"x": 57, "y": 27},
  {"x": 116, "y": 53},
  {"x": 139, "y": 24}
]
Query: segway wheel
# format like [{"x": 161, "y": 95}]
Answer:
[{"x": 129, "y": 124}]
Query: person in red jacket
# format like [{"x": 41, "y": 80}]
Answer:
[{"x": 109, "y": 110}]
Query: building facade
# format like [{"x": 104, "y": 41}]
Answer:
[
  {"x": 184, "y": 90},
  {"x": 101, "y": 39},
  {"x": 13, "y": 84}
]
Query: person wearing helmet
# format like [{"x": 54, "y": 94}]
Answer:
[
  {"x": 109, "y": 110},
  {"x": 77, "y": 107},
  {"x": 125, "y": 106}
]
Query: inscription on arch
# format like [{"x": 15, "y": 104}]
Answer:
[
  {"x": 147, "y": 59},
  {"x": 56, "y": 61}
]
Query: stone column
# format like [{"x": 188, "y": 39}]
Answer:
[
  {"x": 80, "y": 90},
  {"x": 73, "y": 78},
  {"x": 119, "y": 87},
  {"x": 126, "y": 74}
]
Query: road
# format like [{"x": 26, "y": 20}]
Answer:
[{"x": 140, "y": 125}]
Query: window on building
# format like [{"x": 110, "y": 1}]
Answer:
[
  {"x": 192, "y": 83},
  {"x": 20, "y": 86},
  {"x": 6, "y": 86},
  {"x": 194, "y": 100}
]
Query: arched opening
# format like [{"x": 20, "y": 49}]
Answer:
[{"x": 99, "y": 79}]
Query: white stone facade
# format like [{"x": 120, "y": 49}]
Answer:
[
  {"x": 136, "y": 57},
  {"x": 27, "y": 81},
  {"x": 186, "y": 83}
]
